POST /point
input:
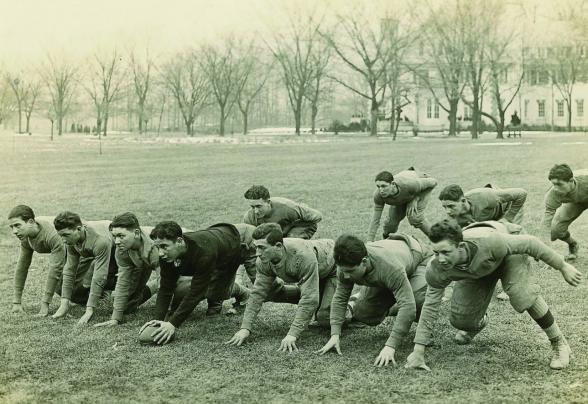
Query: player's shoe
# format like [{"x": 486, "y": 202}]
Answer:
[
  {"x": 502, "y": 296},
  {"x": 465, "y": 337},
  {"x": 573, "y": 248},
  {"x": 213, "y": 311},
  {"x": 561, "y": 353}
]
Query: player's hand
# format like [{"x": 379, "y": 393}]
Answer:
[
  {"x": 44, "y": 310},
  {"x": 288, "y": 344},
  {"x": 239, "y": 337},
  {"x": 62, "y": 310},
  {"x": 416, "y": 360},
  {"x": 385, "y": 357},
  {"x": 333, "y": 342},
  {"x": 164, "y": 333},
  {"x": 571, "y": 274},
  {"x": 85, "y": 319},
  {"x": 109, "y": 323},
  {"x": 17, "y": 309},
  {"x": 411, "y": 209}
]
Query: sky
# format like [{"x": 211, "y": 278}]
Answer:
[{"x": 30, "y": 29}]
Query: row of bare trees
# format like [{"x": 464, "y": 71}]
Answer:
[{"x": 462, "y": 51}]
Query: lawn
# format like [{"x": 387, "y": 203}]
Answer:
[{"x": 43, "y": 360}]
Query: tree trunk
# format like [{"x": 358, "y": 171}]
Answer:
[
  {"x": 392, "y": 118},
  {"x": 453, "y": 117},
  {"x": 19, "y": 118},
  {"x": 374, "y": 118},
  {"x": 52, "y": 121},
  {"x": 298, "y": 116},
  {"x": 244, "y": 113},
  {"x": 189, "y": 130},
  {"x": 105, "y": 126},
  {"x": 28, "y": 118},
  {"x": 59, "y": 126},
  {"x": 475, "y": 115},
  {"x": 222, "y": 120},
  {"x": 98, "y": 125},
  {"x": 313, "y": 114},
  {"x": 500, "y": 127},
  {"x": 569, "y": 116}
]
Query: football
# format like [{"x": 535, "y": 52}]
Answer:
[{"x": 145, "y": 337}]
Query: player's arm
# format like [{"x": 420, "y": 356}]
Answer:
[
  {"x": 261, "y": 288},
  {"x": 337, "y": 314},
  {"x": 425, "y": 185},
  {"x": 205, "y": 266},
  {"x": 69, "y": 274},
  {"x": 310, "y": 217},
  {"x": 167, "y": 285},
  {"x": 23, "y": 264},
  {"x": 308, "y": 303},
  {"x": 516, "y": 197},
  {"x": 552, "y": 202},
  {"x": 123, "y": 285},
  {"x": 57, "y": 260},
  {"x": 376, "y": 216},
  {"x": 531, "y": 245},
  {"x": 428, "y": 318},
  {"x": 398, "y": 283},
  {"x": 101, "y": 252}
]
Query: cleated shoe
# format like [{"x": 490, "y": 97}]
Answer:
[
  {"x": 561, "y": 354},
  {"x": 465, "y": 337}
]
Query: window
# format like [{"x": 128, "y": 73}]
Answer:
[
  {"x": 429, "y": 108},
  {"x": 560, "y": 108},
  {"x": 580, "y": 108},
  {"x": 466, "y": 113},
  {"x": 436, "y": 110},
  {"x": 541, "y": 108},
  {"x": 526, "y": 109}
]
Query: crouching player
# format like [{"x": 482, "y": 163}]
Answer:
[
  {"x": 90, "y": 261},
  {"x": 308, "y": 263},
  {"x": 35, "y": 236},
  {"x": 137, "y": 258},
  {"x": 193, "y": 266},
  {"x": 393, "y": 273},
  {"x": 476, "y": 259}
]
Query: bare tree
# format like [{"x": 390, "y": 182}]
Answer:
[
  {"x": 60, "y": 79},
  {"x": 294, "y": 52},
  {"x": 5, "y": 101},
  {"x": 221, "y": 65},
  {"x": 188, "y": 85},
  {"x": 254, "y": 73},
  {"x": 106, "y": 78},
  {"x": 444, "y": 36},
  {"x": 316, "y": 93},
  {"x": 142, "y": 78},
  {"x": 364, "y": 48},
  {"x": 564, "y": 72},
  {"x": 32, "y": 93},
  {"x": 19, "y": 89}
]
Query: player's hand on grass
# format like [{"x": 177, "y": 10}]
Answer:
[
  {"x": 416, "y": 360},
  {"x": 85, "y": 319},
  {"x": 333, "y": 342},
  {"x": 164, "y": 333},
  {"x": 109, "y": 323},
  {"x": 44, "y": 310},
  {"x": 17, "y": 309},
  {"x": 62, "y": 310},
  {"x": 288, "y": 344},
  {"x": 385, "y": 357},
  {"x": 571, "y": 274},
  {"x": 239, "y": 337}
]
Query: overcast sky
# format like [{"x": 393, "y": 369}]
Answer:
[{"x": 29, "y": 29}]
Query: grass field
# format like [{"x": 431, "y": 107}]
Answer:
[{"x": 43, "y": 360}]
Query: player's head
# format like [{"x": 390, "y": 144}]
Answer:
[
  {"x": 21, "y": 221},
  {"x": 269, "y": 239},
  {"x": 69, "y": 227},
  {"x": 446, "y": 237},
  {"x": 258, "y": 197},
  {"x": 385, "y": 183},
  {"x": 168, "y": 238},
  {"x": 351, "y": 257},
  {"x": 125, "y": 231},
  {"x": 561, "y": 176},
  {"x": 453, "y": 200}
]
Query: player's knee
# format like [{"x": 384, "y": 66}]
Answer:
[
  {"x": 368, "y": 318},
  {"x": 521, "y": 297},
  {"x": 322, "y": 317},
  {"x": 416, "y": 220},
  {"x": 558, "y": 232},
  {"x": 465, "y": 322}
]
